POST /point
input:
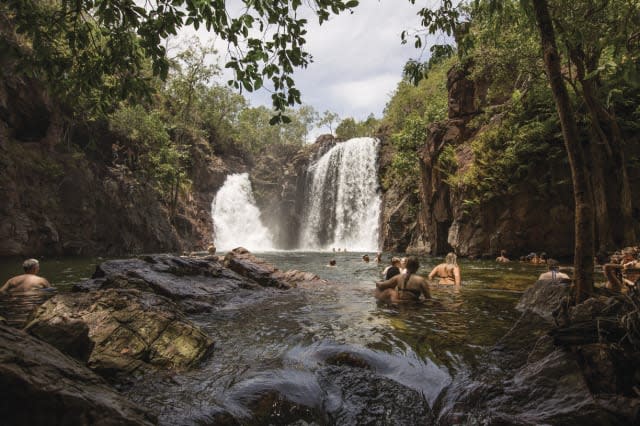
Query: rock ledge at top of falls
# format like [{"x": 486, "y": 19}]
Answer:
[{"x": 45, "y": 387}]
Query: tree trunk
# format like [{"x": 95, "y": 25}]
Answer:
[
  {"x": 607, "y": 152},
  {"x": 584, "y": 230}
]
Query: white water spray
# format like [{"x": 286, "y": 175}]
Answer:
[
  {"x": 342, "y": 205},
  {"x": 236, "y": 218}
]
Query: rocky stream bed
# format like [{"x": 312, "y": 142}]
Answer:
[{"x": 94, "y": 355}]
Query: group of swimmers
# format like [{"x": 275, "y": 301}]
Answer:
[
  {"x": 401, "y": 284},
  {"x": 532, "y": 257}
]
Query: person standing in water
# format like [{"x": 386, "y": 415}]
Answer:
[
  {"x": 28, "y": 281},
  {"x": 405, "y": 287},
  {"x": 392, "y": 270},
  {"x": 447, "y": 272}
]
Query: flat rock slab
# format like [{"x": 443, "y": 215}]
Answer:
[
  {"x": 195, "y": 283},
  {"x": 42, "y": 386},
  {"x": 266, "y": 274},
  {"x": 120, "y": 330}
]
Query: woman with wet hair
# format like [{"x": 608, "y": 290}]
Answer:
[
  {"x": 447, "y": 272},
  {"x": 406, "y": 287}
]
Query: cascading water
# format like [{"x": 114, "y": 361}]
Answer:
[
  {"x": 236, "y": 218},
  {"x": 342, "y": 204}
]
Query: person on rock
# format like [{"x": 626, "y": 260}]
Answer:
[
  {"x": 447, "y": 272},
  {"x": 405, "y": 287},
  {"x": 28, "y": 281},
  {"x": 554, "y": 274},
  {"x": 378, "y": 257},
  {"x": 392, "y": 270},
  {"x": 503, "y": 257}
]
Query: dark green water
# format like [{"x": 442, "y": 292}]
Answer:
[{"x": 276, "y": 340}]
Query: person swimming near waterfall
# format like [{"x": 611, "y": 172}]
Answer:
[
  {"x": 392, "y": 270},
  {"x": 26, "y": 282},
  {"x": 405, "y": 287},
  {"x": 448, "y": 272}
]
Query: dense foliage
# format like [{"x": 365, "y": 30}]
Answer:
[
  {"x": 406, "y": 117},
  {"x": 100, "y": 50}
]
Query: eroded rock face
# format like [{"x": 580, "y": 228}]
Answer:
[
  {"x": 119, "y": 331},
  {"x": 42, "y": 386}
]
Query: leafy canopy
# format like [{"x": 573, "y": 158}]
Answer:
[{"x": 85, "y": 42}]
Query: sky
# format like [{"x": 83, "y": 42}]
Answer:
[{"x": 357, "y": 59}]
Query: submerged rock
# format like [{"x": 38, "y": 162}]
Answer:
[
  {"x": 360, "y": 396},
  {"x": 118, "y": 331},
  {"x": 41, "y": 386}
]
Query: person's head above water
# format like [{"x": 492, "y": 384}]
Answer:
[
  {"x": 31, "y": 266},
  {"x": 451, "y": 259},
  {"x": 412, "y": 265},
  {"x": 332, "y": 262}
]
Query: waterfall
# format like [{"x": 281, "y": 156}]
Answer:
[
  {"x": 236, "y": 218},
  {"x": 342, "y": 205}
]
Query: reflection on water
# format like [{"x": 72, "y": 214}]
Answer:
[
  {"x": 280, "y": 341},
  {"x": 17, "y": 308}
]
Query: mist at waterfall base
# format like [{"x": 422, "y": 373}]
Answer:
[
  {"x": 236, "y": 218},
  {"x": 341, "y": 206}
]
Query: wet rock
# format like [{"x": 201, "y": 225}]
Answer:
[
  {"x": 543, "y": 298},
  {"x": 42, "y": 386},
  {"x": 244, "y": 263},
  {"x": 348, "y": 359},
  {"x": 194, "y": 283},
  {"x": 119, "y": 331},
  {"x": 273, "y": 408},
  {"x": 359, "y": 396},
  {"x": 540, "y": 374}
]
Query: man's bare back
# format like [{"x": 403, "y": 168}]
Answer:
[{"x": 24, "y": 283}]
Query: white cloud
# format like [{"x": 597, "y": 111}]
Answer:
[
  {"x": 359, "y": 98},
  {"x": 357, "y": 58}
]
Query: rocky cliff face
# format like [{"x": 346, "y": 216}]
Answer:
[
  {"x": 278, "y": 181},
  {"x": 518, "y": 223},
  {"x": 61, "y": 199}
]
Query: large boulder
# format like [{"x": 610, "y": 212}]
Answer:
[
  {"x": 119, "y": 331},
  {"x": 41, "y": 386},
  {"x": 266, "y": 274},
  {"x": 559, "y": 364},
  {"x": 544, "y": 298},
  {"x": 196, "y": 284}
]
